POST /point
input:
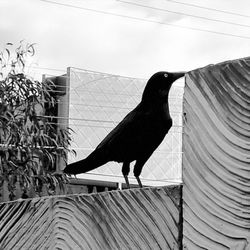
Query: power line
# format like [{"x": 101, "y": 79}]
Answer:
[
  {"x": 106, "y": 106},
  {"x": 72, "y": 125},
  {"x": 86, "y": 83},
  {"x": 208, "y": 8},
  {"x": 115, "y": 94},
  {"x": 159, "y": 151},
  {"x": 78, "y": 125},
  {"x": 89, "y": 120},
  {"x": 80, "y": 119},
  {"x": 184, "y": 14},
  {"x": 147, "y": 20}
]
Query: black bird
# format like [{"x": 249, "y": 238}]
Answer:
[{"x": 137, "y": 136}]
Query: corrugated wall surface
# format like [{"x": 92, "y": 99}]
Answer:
[
  {"x": 147, "y": 218},
  {"x": 216, "y": 159}
]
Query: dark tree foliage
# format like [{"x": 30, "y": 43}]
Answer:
[{"x": 29, "y": 143}]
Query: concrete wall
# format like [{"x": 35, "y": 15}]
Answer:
[
  {"x": 216, "y": 158},
  {"x": 148, "y": 218}
]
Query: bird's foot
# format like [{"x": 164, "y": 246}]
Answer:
[
  {"x": 139, "y": 181},
  {"x": 127, "y": 182}
]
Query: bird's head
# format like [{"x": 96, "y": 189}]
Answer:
[{"x": 159, "y": 84}]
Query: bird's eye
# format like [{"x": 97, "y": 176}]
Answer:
[{"x": 165, "y": 75}]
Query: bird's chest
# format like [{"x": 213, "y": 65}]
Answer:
[
  {"x": 156, "y": 127},
  {"x": 159, "y": 118}
]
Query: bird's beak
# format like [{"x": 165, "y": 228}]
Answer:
[{"x": 178, "y": 75}]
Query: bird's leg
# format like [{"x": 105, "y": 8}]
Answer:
[
  {"x": 127, "y": 182},
  {"x": 138, "y": 168},
  {"x": 125, "y": 171},
  {"x": 139, "y": 181}
]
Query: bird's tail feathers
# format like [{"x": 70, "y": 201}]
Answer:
[{"x": 94, "y": 160}]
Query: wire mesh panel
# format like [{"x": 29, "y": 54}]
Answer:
[{"x": 98, "y": 102}]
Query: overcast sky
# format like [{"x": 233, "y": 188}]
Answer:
[{"x": 128, "y": 39}]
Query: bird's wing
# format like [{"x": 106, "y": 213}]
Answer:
[
  {"x": 132, "y": 135},
  {"x": 125, "y": 129}
]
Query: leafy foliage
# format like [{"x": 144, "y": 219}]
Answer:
[{"x": 30, "y": 144}]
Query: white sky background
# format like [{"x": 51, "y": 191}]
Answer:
[{"x": 69, "y": 36}]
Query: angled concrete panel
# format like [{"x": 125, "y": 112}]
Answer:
[
  {"x": 216, "y": 159},
  {"x": 147, "y": 218}
]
